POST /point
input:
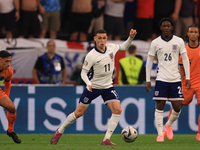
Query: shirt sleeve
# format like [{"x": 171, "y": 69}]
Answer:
[
  {"x": 88, "y": 63},
  {"x": 62, "y": 63},
  {"x": 9, "y": 75},
  {"x": 39, "y": 64},
  {"x": 149, "y": 63},
  {"x": 152, "y": 50}
]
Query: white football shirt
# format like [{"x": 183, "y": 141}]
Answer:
[
  {"x": 168, "y": 55},
  {"x": 101, "y": 66}
]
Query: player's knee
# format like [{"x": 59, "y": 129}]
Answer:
[
  {"x": 117, "y": 111},
  {"x": 177, "y": 110},
  {"x": 78, "y": 114},
  {"x": 12, "y": 109}
]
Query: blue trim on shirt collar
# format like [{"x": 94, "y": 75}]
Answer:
[
  {"x": 164, "y": 39},
  {"x": 193, "y": 47},
  {"x": 100, "y": 51}
]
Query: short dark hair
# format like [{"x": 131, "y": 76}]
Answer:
[
  {"x": 186, "y": 38},
  {"x": 100, "y": 31},
  {"x": 4, "y": 54},
  {"x": 131, "y": 49},
  {"x": 166, "y": 19}
]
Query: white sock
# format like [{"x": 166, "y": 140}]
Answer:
[
  {"x": 112, "y": 124},
  {"x": 173, "y": 117},
  {"x": 70, "y": 119},
  {"x": 159, "y": 121}
]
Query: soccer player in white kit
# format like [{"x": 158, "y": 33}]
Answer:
[
  {"x": 99, "y": 62},
  {"x": 167, "y": 47}
]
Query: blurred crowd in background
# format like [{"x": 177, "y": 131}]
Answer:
[{"x": 77, "y": 20}]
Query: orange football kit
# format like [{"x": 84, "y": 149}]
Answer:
[
  {"x": 7, "y": 75},
  {"x": 194, "y": 58}
]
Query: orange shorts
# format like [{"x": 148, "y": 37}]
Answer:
[
  {"x": 2, "y": 93},
  {"x": 188, "y": 95}
]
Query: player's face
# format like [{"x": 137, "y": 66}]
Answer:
[
  {"x": 193, "y": 34},
  {"x": 5, "y": 63},
  {"x": 51, "y": 46},
  {"x": 100, "y": 40},
  {"x": 166, "y": 28}
]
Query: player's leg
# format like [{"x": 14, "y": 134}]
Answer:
[
  {"x": 111, "y": 99},
  {"x": 198, "y": 105},
  {"x": 113, "y": 121},
  {"x": 175, "y": 112},
  {"x": 84, "y": 102},
  {"x": 80, "y": 110},
  {"x": 160, "y": 104},
  {"x": 160, "y": 95},
  {"x": 176, "y": 98},
  {"x": 198, "y": 134},
  {"x": 11, "y": 116}
]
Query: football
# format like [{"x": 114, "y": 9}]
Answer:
[{"x": 129, "y": 134}]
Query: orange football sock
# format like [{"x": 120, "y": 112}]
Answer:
[
  {"x": 199, "y": 124},
  {"x": 11, "y": 121},
  {"x": 170, "y": 112}
]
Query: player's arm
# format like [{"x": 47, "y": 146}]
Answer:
[
  {"x": 181, "y": 71},
  {"x": 7, "y": 87},
  {"x": 186, "y": 66},
  {"x": 86, "y": 79},
  {"x": 125, "y": 45},
  {"x": 85, "y": 69},
  {"x": 151, "y": 54},
  {"x": 148, "y": 72},
  {"x": 7, "y": 84}
]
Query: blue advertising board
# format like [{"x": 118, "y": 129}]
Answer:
[{"x": 42, "y": 109}]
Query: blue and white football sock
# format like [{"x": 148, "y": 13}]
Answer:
[
  {"x": 70, "y": 119},
  {"x": 112, "y": 124},
  {"x": 159, "y": 121}
]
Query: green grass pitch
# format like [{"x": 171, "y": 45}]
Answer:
[{"x": 93, "y": 142}]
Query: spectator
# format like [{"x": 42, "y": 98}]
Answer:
[
  {"x": 113, "y": 18},
  {"x": 144, "y": 19},
  {"x": 131, "y": 70},
  {"x": 29, "y": 22},
  {"x": 80, "y": 19},
  {"x": 165, "y": 8},
  {"x": 9, "y": 14},
  {"x": 50, "y": 11},
  {"x": 49, "y": 68},
  {"x": 185, "y": 18},
  {"x": 197, "y": 12},
  {"x": 98, "y": 16}
]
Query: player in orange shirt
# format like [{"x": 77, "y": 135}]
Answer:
[
  {"x": 6, "y": 73},
  {"x": 193, "y": 52}
]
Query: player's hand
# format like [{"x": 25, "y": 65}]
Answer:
[
  {"x": 148, "y": 87},
  {"x": 133, "y": 33},
  {"x": 188, "y": 84},
  {"x": 89, "y": 87}
]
